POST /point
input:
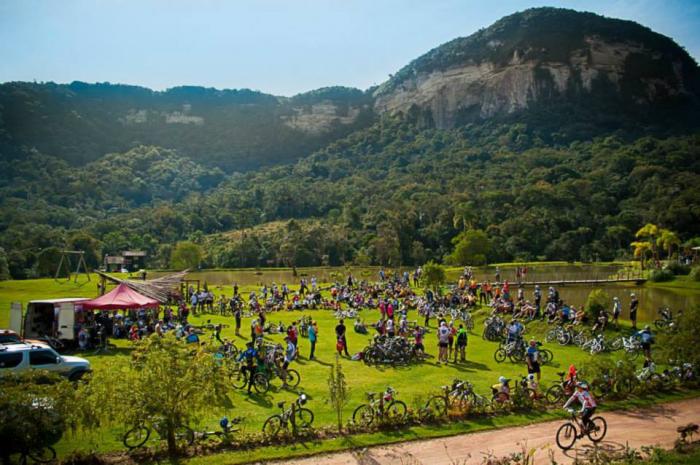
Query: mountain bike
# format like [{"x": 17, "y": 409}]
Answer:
[
  {"x": 561, "y": 389},
  {"x": 139, "y": 434},
  {"x": 573, "y": 430},
  {"x": 459, "y": 396},
  {"x": 384, "y": 408},
  {"x": 514, "y": 350},
  {"x": 239, "y": 379},
  {"x": 296, "y": 415}
]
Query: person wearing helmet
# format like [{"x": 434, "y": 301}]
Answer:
[
  {"x": 634, "y": 305},
  {"x": 250, "y": 356},
  {"x": 501, "y": 390},
  {"x": 532, "y": 357},
  {"x": 647, "y": 339},
  {"x": 532, "y": 383},
  {"x": 588, "y": 403}
]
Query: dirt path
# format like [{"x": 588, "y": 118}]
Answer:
[{"x": 653, "y": 426}]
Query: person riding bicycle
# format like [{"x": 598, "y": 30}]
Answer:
[
  {"x": 250, "y": 355},
  {"x": 588, "y": 403}
]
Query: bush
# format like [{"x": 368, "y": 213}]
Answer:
[
  {"x": 695, "y": 273},
  {"x": 597, "y": 301},
  {"x": 678, "y": 269},
  {"x": 662, "y": 275}
]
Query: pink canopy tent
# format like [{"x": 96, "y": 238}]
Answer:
[{"x": 121, "y": 297}]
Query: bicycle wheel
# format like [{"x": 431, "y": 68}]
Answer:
[
  {"x": 304, "y": 418},
  {"x": 564, "y": 338},
  {"x": 599, "y": 388},
  {"x": 625, "y": 386},
  {"x": 136, "y": 437},
  {"x": 184, "y": 436},
  {"x": 500, "y": 355},
  {"x": 597, "y": 432},
  {"x": 566, "y": 436},
  {"x": 554, "y": 394},
  {"x": 396, "y": 411},
  {"x": 551, "y": 335},
  {"x": 238, "y": 379},
  {"x": 363, "y": 415},
  {"x": 260, "y": 383},
  {"x": 436, "y": 407},
  {"x": 272, "y": 425},
  {"x": 44, "y": 454},
  {"x": 293, "y": 378},
  {"x": 547, "y": 356}
]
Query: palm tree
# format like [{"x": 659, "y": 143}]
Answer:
[
  {"x": 640, "y": 250},
  {"x": 667, "y": 239},
  {"x": 650, "y": 232}
]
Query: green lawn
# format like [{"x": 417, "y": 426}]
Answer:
[{"x": 413, "y": 383}]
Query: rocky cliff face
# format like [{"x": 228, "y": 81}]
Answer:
[{"x": 520, "y": 61}]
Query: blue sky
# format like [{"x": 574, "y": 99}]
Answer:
[{"x": 276, "y": 46}]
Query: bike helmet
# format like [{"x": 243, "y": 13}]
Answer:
[
  {"x": 531, "y": 377},
  {"x": 582, "y": 385},
  {"x": 302, "y": 399},
  {"x": 503, "y": 380}
]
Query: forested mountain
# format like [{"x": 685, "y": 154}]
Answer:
[
  {"x": 235, "y": 130},
  {"x": 550, "y": 135}
]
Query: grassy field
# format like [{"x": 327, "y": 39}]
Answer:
[{"x": 413, "y": 383}]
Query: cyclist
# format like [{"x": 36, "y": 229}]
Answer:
[
  {"x": 617, "y": 309},
  {"x": 647, "y": 340},
  {"x": 250, "y": 355},
  {"x": 588, "y": 403},
  {"x": 515, "y": 330},
  {"x": 501, "y": 390},
  {"x": 461, "y": 344},
  {"x": 289, "y": 355},
  {"x": 532, "y": 357},
  {"x": 443, "y": 335}
]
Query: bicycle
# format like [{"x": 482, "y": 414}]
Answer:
[
  {"x": 559, "y": 390},
  {"x": 571, "y": 431},
  {"x": 225, "y": 432},
  {"x": 514, "y": 350},
  {"x": 140, "y": 433},
  {"x": 239, "y": 379},
  {"x": 296, "y": 415},
  {"x": 385, "y": 408},
  {"x": 459, "y": 396}
]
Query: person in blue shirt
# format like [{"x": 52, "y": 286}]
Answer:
[
  {"x": 647, "y": 340},
  {"x": 250, "y": 356},
  {"x": 515, "y": 330},
  {"x": 532, "y": 357}
]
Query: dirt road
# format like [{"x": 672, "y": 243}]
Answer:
[{"x": 653, "y": 426}]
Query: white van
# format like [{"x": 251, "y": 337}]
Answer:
[{"x": 44, "y": 317}]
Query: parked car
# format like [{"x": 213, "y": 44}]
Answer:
[{"x": 18, "y": 358}]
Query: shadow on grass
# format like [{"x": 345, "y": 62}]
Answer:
[{"x": 258, "y": 399}]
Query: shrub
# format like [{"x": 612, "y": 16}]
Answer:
[
  {"x": 695, "y": 273},
  {"x": 597, "y": 301},
  {"x": 662, "y": 275},
  {"x": 678, "y": 268}
]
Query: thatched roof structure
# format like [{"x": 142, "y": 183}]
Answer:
[{"x": 158, "y": 288}]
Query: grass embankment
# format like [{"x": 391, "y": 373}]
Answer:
[
  {"x": 414, "y": 383},
  {"x": 679, "y": 283}
]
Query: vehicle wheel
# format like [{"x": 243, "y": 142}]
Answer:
[
  {"x": 238, "y": 379},
  {"x": 272, "y": 426},
  {"x": 564, "y": 338},
  {"x": 597, "y": 432},
  {"x": 555, "y": 394},
  {"x": 396, "y": 411},
  {"x": 363, "y": 415},
  {"x": 136, "y": 437},
  {"x": 500, "y": 355},
  {"x": 304, "y": 418},
  {"x": 547, "y": 356},
  {"x": 184, "y": 435},
  {"x": 293, "y": 378},
  {"x": 517, "y": 356},
  {"x": 76, "y": 376},
  {"x": 566, "y": 436},
  {"x": 261, "y": 383},
  {"x": 44, "y": 454},
  {"x": 436, "y": 407}
]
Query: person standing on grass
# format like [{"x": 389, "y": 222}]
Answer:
[
  {"x": 340, "y": 335},
  {"x": 461, "y": 344},
  {"x": 617, "y": 309},
  {"x": 237, "y": 316},
  {"x": 313, "y": 337},
  {"x": 443, "y": 335},
  {"x": 532, "y": 357},
  {"x": 634, "y": 306}
]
